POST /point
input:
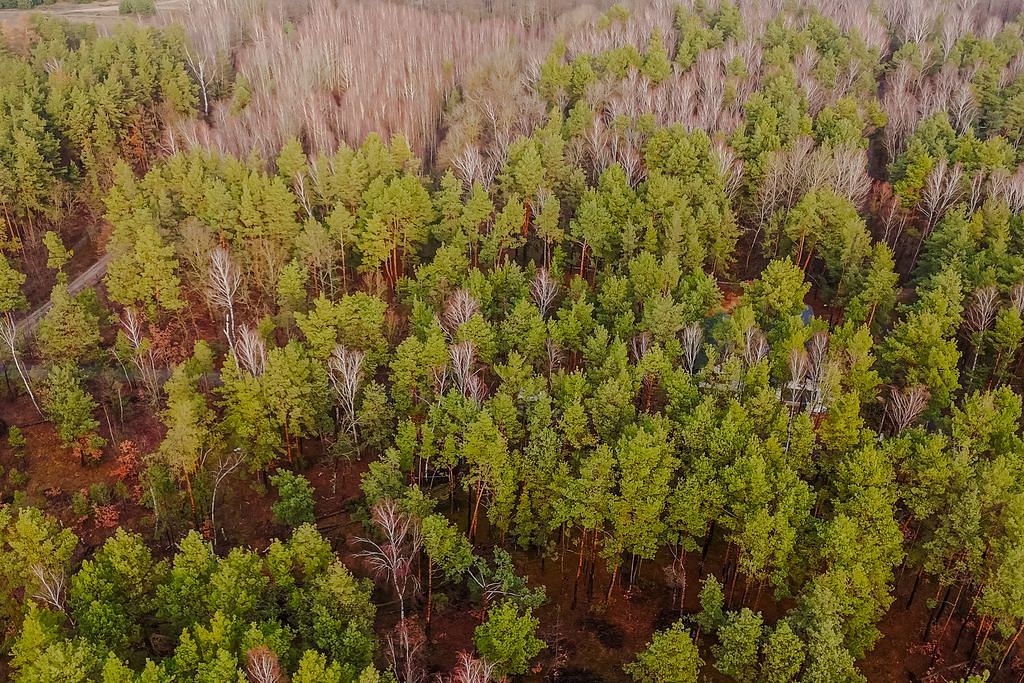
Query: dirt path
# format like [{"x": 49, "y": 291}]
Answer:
[
  {"x": 103, "y": 12},
  {"x": 91, "y": 276}
]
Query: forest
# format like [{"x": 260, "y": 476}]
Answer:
[{"x": 374, "y": 341}]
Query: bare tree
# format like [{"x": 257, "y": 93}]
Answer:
[
  {"x": 460, "y": 308},
  {"x": 817, "y": 356},
  {"x": 470, "y": 167},
  {"x": 982, "y": 310},
  {"x": 52, "y": 587},
  {"x": 900, "y": 102},
  {"x": 799, "y": 366},
  {"x": 906, "y": 406},
  {"x": 393, "y": 559},
  {"x": 976, "y": 192},
  {"x": 262, "y": 665},
  {"x": 201, "y": 71},
  {"x": 441, "y": 379},
  {"x": 470, "y": 669},
  {"x": 770, "y": 192},
  {"x": 345, "y": 370},
  {"x": 403, "y": 646},
  {"x": 755, "y": 346},
  {"x": 980, "y": 315},
  {"x": 227, "y": 463},
  {"x": 553, "y": 355},
  {"x": 143, "y": 356},
  {"x": 640, "y": 346},
  {"x": 894, "y": 219},
  {"x": 1008, "y": 188},
  {"x": 543, "y": 290},
  {"x": 1017, "y": 298},
  {"x": 847, "y": 172},
  {"x": 693, "y": 337},
  {"x": 730, "y": 167},
  {"x": 941, "y": 191},
  {"x": 916, "y": 19},
  {"x": 467, "y": 380},
  {"x": 251, "y": 351},
  {"x": 9, "y": 335},
  {"x": 225, "y": 279}
]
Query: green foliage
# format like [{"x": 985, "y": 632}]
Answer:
[
  {"x": 70, "y": 407},
  {"x": 294, "y": 505},
  {"x": 16, "y": 440},
  {"x": 28, "y": 540},
  {"x": 507, "y": 638},
  {"x": 57, "y": 254},
  {"x": 297, "y": 598},
  {"x": 139, "y": 7},
  {"x": 670, "y": 657},
  {"x": 70, "y": 330},
  {"x": 617, "y": 402},
  {"x": 448, "y": 549}
]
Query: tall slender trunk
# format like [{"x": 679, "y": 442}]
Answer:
[
  {"x": 579, "y": 567},
  {"x": 476, "y": 513},
  {"x": 191, "y": 498},
  {"x": 11, "y": 337},
  {"x": 913, "y": 591},
  {"x": 430, "y": 592},
  {"x": 611, "y": 584},
  {"x": 1009, "y": 647}
]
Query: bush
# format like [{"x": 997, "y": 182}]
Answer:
[
  {"x": 16, "y": 440},
  {"x": 80, "y": 504},
  {"x": 295, "y": 499},
  {"x": 99, "y": 493},
  {"x": 144, "y": 8},
  {"x": 16, "y": 479},
  {"x": 121, "y": 492}
]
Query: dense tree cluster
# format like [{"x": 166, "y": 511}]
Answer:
[
  {"x": 532, "y": 341},
  {"x": 294, "y": 609},
  {"x": 73, "y": 104}
]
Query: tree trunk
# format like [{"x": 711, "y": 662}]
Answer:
[
  {"x": 476, "y": 513},
  {"x": 191, "y": 498},
  {"x": 579, "y": 568},
  {"x": 611, "y": 584},
  {"x": 430, "y": 593},
  {"x": 1010, "y": 646},
  {"x": 913, "y": 591}
]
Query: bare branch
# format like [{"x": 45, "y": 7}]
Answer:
[
  {"x": 981, "y": 312},
  {"x": 755, "y": 347},
  {"x": 251, "y": 351},
  {"x": 692, "y": 337},
  {"x": 543, "y": 290},
  {"x": 224, "y": 281},
  {"x": 52, "y": 587},
  {"x": 906, "y": 406},
  {"x": 345, "y": 370},
  {"x": 262, "y": 665}
]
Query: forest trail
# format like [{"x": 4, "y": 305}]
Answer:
[
  {"x": 90, "y": 277},
  {"x": 105, "y": 11}
]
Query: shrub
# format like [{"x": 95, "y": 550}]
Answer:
[
  {"x": 144, "y": 8},
  {"x": 16, "y": 478},
  {"x": 16, "y": 440},
  {"x": 295, "y": 499},
  {"x": 99, "y": 493},
  {"x": 121, "y": 492},
  {"x": 80, "y": 504}
]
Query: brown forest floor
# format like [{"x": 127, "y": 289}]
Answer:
[{"x": 587, "y": 644}]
